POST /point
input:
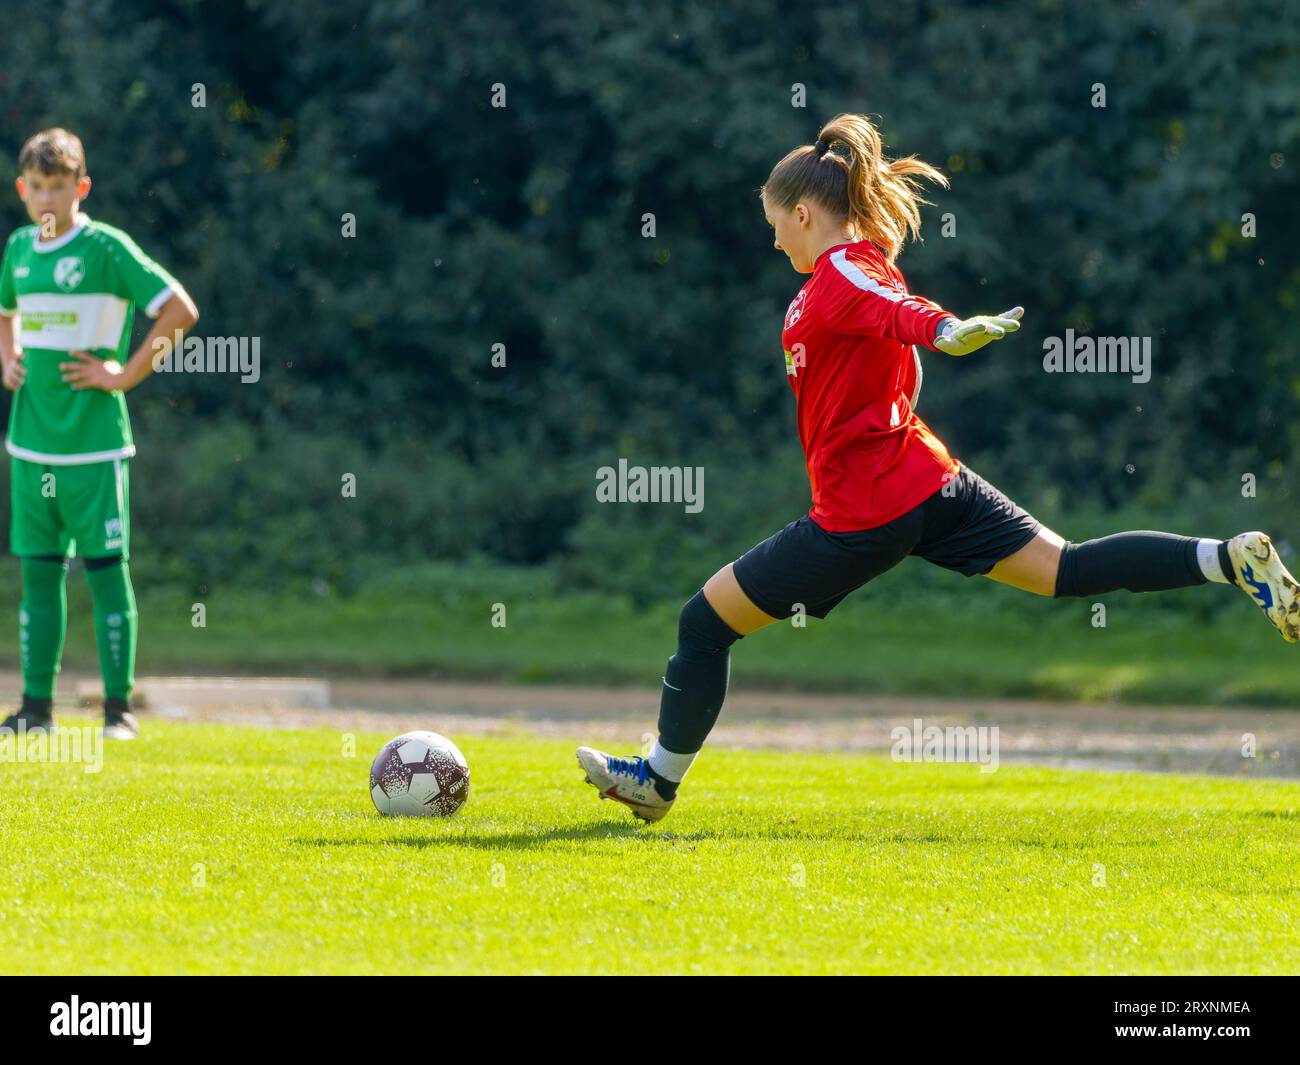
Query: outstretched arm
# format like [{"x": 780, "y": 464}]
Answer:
[{"x": 957, "y": 337}]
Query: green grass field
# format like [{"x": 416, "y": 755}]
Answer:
[{"x": 220, "y": 849}]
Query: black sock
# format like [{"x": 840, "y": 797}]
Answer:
[
  {"x": 695, "y": 682},
  {"x": 116, "y": 706},
  {"x": 1136, "y": 561},
  {"x": 1225, "y": 562},
  {"x": 37, "y": 706},
  {"x": 666, "y": 788}
]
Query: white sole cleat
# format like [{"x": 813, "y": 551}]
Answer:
[
  {"x": 624, "y": 780},
  {"x": 1260, "y": 574}
]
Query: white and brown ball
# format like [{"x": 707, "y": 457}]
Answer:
[{"x": 419, "y": 774}]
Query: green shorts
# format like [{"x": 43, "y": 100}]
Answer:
[{"x": 69, "y": 510}]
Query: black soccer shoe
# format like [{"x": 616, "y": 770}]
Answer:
[
  {"x": 33, "y": 714},
  {"x": 119, "y": 722}
]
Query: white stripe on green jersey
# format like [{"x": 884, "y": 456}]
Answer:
[{"x": 77, "y": 292}]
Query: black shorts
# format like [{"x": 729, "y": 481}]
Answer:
[{"x": 967, "y": 526}]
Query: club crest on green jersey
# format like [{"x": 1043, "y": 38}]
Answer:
[{"x": 68, "y": 272}]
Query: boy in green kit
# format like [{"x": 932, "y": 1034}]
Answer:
[{"x": 69, "y": 287}]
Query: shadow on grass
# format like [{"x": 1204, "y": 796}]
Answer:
[
  {"x": 523, "y": 840},
  {"x": 881, "y": 828},
  {"x": 489, "y": 840}
]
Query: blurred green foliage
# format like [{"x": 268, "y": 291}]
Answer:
[{"x": 521, "y": 226}]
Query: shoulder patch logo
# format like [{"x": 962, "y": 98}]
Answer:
[
  {"x": 68, "y": 272},
  {"x": 795, "y": 311}
]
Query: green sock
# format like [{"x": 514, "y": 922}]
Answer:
[
  {"x": 42, "y": 624},
  {"x": 115, "y": 627}
]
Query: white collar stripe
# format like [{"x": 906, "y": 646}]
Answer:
[
  {"x": 59, "y": 242},
  {"x": 840, "y": 260}
]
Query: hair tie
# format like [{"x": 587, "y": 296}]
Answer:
[{"x": 822, "y": 147}]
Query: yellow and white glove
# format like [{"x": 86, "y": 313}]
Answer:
[{"x": 961, "y": 338}]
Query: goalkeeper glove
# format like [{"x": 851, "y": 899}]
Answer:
[{"x": 961, "y": 338}]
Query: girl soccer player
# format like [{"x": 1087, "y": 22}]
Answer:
[{"x": 883, "y": 486}]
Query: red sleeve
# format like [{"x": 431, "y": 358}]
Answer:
[{"x": 862, "y": 298}]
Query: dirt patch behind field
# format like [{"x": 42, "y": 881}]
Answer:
[
  {"x": 1196, "y": 739},
  {"x": 1111, "y": 736}
]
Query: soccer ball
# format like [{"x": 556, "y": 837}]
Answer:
[{"x": 420, "y": 774}]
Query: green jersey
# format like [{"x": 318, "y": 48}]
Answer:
[{"x": 77, "y": 292}]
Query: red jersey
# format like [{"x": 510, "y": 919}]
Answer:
[{"x": 848, "y": 340}]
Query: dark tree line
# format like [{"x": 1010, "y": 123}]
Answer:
[{"x": 521, "y": 226}]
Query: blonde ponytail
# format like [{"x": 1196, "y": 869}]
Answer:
[{"x": 880, "y": 198}]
